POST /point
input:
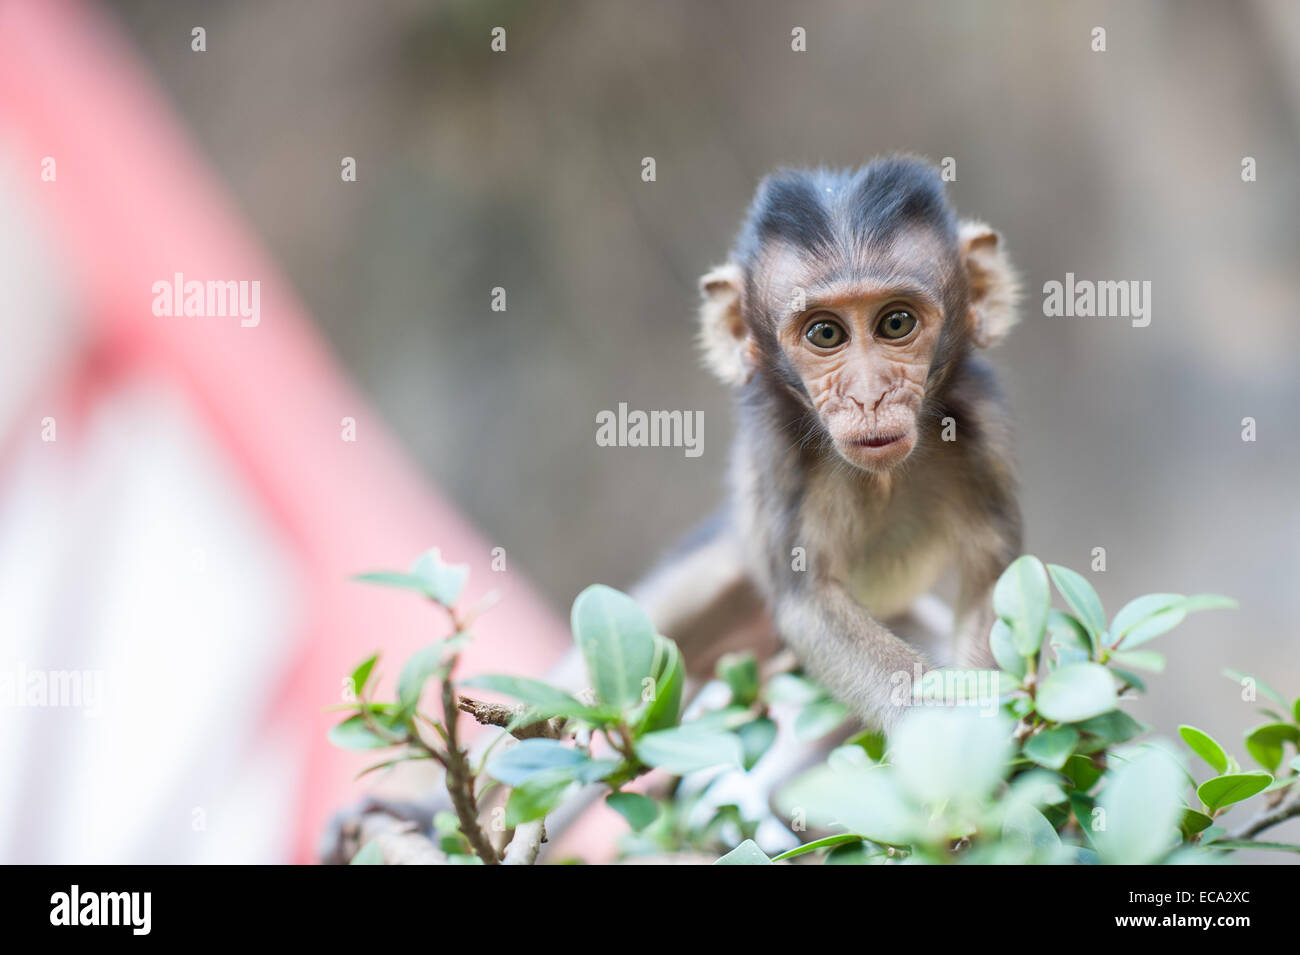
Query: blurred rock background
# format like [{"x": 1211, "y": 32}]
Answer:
[{"x": 522, "y": 170}]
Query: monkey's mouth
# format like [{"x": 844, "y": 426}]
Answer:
[{"x": 879, "y": 440}]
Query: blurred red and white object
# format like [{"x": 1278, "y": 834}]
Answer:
[{"x": 188, "y": 537}]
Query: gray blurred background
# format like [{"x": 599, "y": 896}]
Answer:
[{"x": 522, "y": 170}]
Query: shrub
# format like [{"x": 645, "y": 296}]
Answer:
[{"x": 1032, "y": 763}]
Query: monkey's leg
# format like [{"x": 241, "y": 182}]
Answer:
[
  {"x": 971, "y": 644},
  {"x": 702, "y": 597},
  {"x": 847, "y": 651}
]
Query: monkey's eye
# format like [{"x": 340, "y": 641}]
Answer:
[
  {"x": 826, "y": 334},
  {"x": 897, "y": 324}
]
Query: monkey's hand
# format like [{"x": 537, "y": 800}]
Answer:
[{"x": 856, "y": 658}]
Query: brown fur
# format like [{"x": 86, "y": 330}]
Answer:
[{"x": 877, "y": 526}]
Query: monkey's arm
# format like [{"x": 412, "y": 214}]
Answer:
[
  {"x": 857, "y": 659},
  {"x": 702, "y": 597}
]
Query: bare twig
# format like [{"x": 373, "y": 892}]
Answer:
[
  {"x": 1288, "y": 808},
  {"x": 503, "y": 714}
]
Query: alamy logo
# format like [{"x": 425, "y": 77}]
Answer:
[
  {"x": 651, "y": 429},
  {"x": 211, "y": 299},
  {"x": 1084, "y": 298},
  {"x": 102, "y": 908},
  {"x": 82, "y": 689}
]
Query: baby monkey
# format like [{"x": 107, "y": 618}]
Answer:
[{"x": 873, "y": 450}]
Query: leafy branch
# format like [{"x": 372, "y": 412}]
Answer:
[{"x": 1032, "y": 763}]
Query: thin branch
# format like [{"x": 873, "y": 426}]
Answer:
[
  {"x": 502, "y": 714},
  {"x": 527, "y": 842},
  {"x": 460, "y": 782},
  {"x": 1288, "y": 808}
]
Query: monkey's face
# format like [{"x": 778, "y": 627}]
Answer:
[
  {"x": 864, "y": 362},
  {"x": 863, "y": 346},
  {"x": 855, "y": 311}
]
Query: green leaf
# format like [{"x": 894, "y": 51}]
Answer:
[
  {"x": 1076, "y": 692},
  {"x": 369, "y": 854},
  {"x": 1148, "y": 617},
  {"x": 669, "y": 674},
  {"x": 1225, "y": 790},
  {"x": 747, "y": 853},
  {"x": 1107, "y": 730},
  {"x": 872, "y": 741},
  {"x": 617, "y": 640},
  {"x": 1082, "y": 598},
  {"x": 1037, "y": 788},
  {"x": 422, "y": 664},
  {"x": 792, "y": 688},
  {"x": 1252, "y": 844},
  {"x": 388, "y": 578},
  {"x": 1052, "y": 747},
  {"x": 537, "y": 797},
  {"x": 1081, "y": 771},
  {"x": 756, "y": 738},
  {"x": 717, "y": 721},
  {"x": 521, "y": 688},
  {"x": 355, "y": 732},
  {"x": 1082, "y": 805},
  {"x": 1129, "y": 678},
  {"x": 574, "y": 710},
  {"x": 946, "y": 755},
  {"x": 638, "y": 810},
  {"x": 361, "y": 674},
  {"x": 1194, "y": 821},
  {"x": 1212, "y": 834},
  {"x": 1139, "y": 609},
  {"x": 685, "y": 749},
  {"x": 406, "y": 756},
  {"x": 856, "y": 853},
  {"x": 1143, "y": 808},
  {"x": 1205, "y": 746},
  {"x": 740, "y": 672},
  {"x": 848, "y": 757},
  {"x": 428, "y": 576},
  {"x": 1152, "y": 627},
  {"x": 1142, "y": 659},
  {"x": 1005, "y": 652},
  {"x": 1259, "y": 684},
  {"x": 1065, "y": 631},
  {"x": 864, "y": 800},
  {"x": 528, "y": 758},
  {"x": 1021, "y": 597},
  {"x": 1198, "y": 602},
  {"x": 829, "y": 842},
  {"x": 1026, "y": 827},
  {"x": 443, "y": 582},
  {"x": 1265, "y": 743},
  {"x": 819, "y": 718}
]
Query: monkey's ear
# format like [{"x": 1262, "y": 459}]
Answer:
[
  {"x": 994, "y": 288},
  {"x": 723, "y": 334}
]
